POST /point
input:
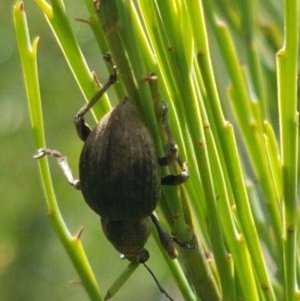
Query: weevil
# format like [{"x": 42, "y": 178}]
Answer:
[{"x": 119, "y": 174}]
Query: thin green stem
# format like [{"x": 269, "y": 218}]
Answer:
[
  {"x": 72, "y": 244},
  {"x": 59, "y": 23},
  {"x": 287, "y": 62}
]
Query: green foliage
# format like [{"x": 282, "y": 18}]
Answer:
[{"x": 220, "y": 67}]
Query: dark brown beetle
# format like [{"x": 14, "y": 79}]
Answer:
[
  {"x": 119, "y": 175},
  {"x": 119, "y": 172}
]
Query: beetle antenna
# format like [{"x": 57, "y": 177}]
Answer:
[{"x": 162, "y": 290}]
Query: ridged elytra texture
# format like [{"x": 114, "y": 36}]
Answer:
[{"x": 119, "y": 172}]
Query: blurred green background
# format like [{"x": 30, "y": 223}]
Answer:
[{"x": 33, "y": 263}]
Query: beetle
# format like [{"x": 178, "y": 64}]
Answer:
[{"x": 119, "y": 174}]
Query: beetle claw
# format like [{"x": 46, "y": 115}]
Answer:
[
  {"x": 40, "y": 153},
  {"x": 191, "y": 244}
]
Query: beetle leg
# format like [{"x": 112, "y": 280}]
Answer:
[
  {"x": 82, "y": 128},
  {"x": 172, "y": 154},
  {"x": 191, "y": 244},
  {"x": 178, "y": 178},
  {"x": 165, "y": 238},
  {"x": 62, "y": 162}
]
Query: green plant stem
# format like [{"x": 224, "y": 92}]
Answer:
[
  {"x": 287, "y": 62},
  {"x": 117, "y": 285},
  {"x": 274, "y": 159},
  {"x": 248, "y": 25},
  {"x": 178, "y": 274},
  {"x": 249, "y": 126},
  {"x": 234, "y": 239},
  {"x": 59, "y": 23},
  {"x": 111, "y": 15},
  {"x": 72, "y": 244}
]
